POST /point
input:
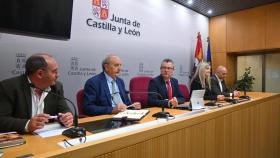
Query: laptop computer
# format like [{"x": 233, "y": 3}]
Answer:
[{"x": 197, "y": 100}]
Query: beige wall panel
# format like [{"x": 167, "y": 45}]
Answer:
[
  {"x": 272, "y": 72},
  {"x": 273, "y": 25},
  {"x": 218, "y": 33},
  {"x": 255, "y": 62}
]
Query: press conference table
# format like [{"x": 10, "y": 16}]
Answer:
[{"x": 249, "y": 129}]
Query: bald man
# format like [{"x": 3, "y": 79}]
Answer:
[
  {"x": 218, "y": 85},
  {"x": 26, "y": 109},
  {"x": 105, "y": 93}
]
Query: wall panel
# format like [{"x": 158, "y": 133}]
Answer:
[
  {"x": 273, "y": 25},
  {"x": 218, "y": 34}
]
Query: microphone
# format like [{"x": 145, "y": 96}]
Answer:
[
  {"x": 71, "y": 132},
  {"x": 212, "y": 102},
  {"x": 231, "y": 99},
  {"x": 161, "y": 114}
]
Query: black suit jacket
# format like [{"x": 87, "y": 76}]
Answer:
[
  {"x": 16, "y": 104},
  {"x": 215, "y": 87},
  {"x": 196, "y": 85},
  {"x": 159, "y": 86}
]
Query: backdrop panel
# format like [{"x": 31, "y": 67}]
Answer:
[{"x": 141, "y": 32}]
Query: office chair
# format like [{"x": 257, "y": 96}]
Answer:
[
  {"x": 80, "y": 102},
  {"x": 185, "y": 91},
  {"x": 139, "y": 84}
]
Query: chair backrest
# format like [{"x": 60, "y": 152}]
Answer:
[
  {"x": 80, "y": 103},
  {"x": 139, "y": 84},
  {"x": 185, "y": 91}
]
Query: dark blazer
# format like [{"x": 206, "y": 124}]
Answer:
[
  {"x": 97, "y": 97},
  {"x": 215, "y": 87},
  {"x": 16, "y": 104},
  {"x": 159, "y": 86},
  {"x": 196, "y": 85}
]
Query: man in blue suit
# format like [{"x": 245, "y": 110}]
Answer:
[
  {"x": 105, "y": 93},
  {"x": 166, "y": 86}
]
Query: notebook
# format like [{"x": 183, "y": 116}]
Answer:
[{"x": 10, "y": 139}]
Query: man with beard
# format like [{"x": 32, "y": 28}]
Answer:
[{"x": 24, "y": 108}]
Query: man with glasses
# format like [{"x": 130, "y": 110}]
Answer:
[
  {"x": 24, "y": 108},
  {"x": 218, "y": 83},
  {"x": 166, "y": 86},
  {"x": 105, "y": 93}
]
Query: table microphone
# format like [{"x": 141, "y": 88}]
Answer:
[
  {"x": 234, "y": 101},
  {"x": 161, "y": 114},
  {"x": 212, "y": 102},
  {"x": 71, "y": 132}
]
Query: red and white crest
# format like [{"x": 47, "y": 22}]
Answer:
[{"x": 100, "y": 8}]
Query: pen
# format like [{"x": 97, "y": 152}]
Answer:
[
  {"x": 129, "y": 106},
  {"x": 53, "y": 117}
]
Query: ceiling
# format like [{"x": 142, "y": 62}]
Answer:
[{"x": 220, "y": 7}]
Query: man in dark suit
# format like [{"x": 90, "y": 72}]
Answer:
[
  {"x": 105, "y": 93},
  {"x": 218, "y": 85},
  {"x": 166, "y": 86},
  {"x": 25, "y": 109}
]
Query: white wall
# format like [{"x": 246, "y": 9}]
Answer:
[{"x": 166, "y": 30}]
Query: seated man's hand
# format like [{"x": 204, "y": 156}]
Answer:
[
  {"x": 220, "y": 97},
  {"x": 66, "y": 119},
  {"x": 118, "y": 108},
  {"x": 236, "y": 93},
  {"x": 174, "y": 102},
  {"x": 38, "y": 122},
  {"x": 136, "y": 105}
]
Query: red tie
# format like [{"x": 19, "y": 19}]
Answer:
[{"x": 169, "y": 89}]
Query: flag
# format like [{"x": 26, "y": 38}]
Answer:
[
  {"x": 208, "y": 54},
  {"x": 198, "y": 54}
]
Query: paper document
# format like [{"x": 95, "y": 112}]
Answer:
[
  {"x": 51, "y": 129},
  {"x": 131, "y": 114}
]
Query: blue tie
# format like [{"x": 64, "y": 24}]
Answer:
[{"x": 115, "y": 95}]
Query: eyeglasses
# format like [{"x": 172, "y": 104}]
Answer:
[{"x": 167, "y": 68}]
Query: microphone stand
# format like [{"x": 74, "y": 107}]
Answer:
[
  {"x": 75, "y": 131},
  {"x": 161, "y": 114},
  {"x": 211, "y": 102}
]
